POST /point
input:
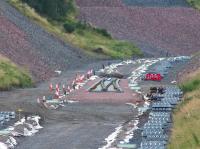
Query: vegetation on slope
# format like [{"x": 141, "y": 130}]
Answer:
[
  {"x": 12, "y": 76},
  {"x": 54, "y": 9},
  {"x": 194, "y": 3},
  {"x": 186, "y": 132},
  {"x": 191, "y": 85},
  {"x": 59, "y": 18}
]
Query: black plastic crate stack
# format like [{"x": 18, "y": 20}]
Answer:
[{"x": 155, "y": 133}]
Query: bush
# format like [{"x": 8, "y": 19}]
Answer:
[
  {"x": 103, "y": 32},
  {"x": 191, "y": 85},
  {"x": 81, "y": 25},
  {"x": 69, "y": 27},
  {"x": 54, "y": 9},
  {"x": 80, "y": 32},
  {"x": 12, "y": 76}
]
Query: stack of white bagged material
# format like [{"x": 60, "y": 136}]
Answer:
[
  {"x": 3, "y": 146},
  {"x": 23, "y": 127},
  {"x": 26, "y": 127}
]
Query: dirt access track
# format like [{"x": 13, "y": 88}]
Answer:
[
  {"x": 75, "y": 126},
  {"x": 82, "y": 125}
]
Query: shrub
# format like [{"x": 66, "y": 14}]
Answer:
[
  {"x": 69, "y": 27},
  {"x": 81, "y": 25},
  {"x": 81, "y": 32},
  {"x": 103, "y": 32},
  {"x": 54, "y": 9},
  {"x": 191, "y": 85},
  {"x": 12, "y": 76}
]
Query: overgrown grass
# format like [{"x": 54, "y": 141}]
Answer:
[
  {"x": 12, "y": 76},
  {"x": 190, "y": 86},
  {"x": 186, "y": 118},
  {"x": 194, "y": 3},
  {"x": 87, "y": 38}
]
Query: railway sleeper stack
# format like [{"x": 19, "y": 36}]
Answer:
[{"x": 155, "y": 132}]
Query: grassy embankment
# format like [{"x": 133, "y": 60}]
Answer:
[
  {"x": 186, "y": 132},
  {"x": 12, "y": 76},
  {"x": 80, "y": 35},
  {"x": 194, "y": 3}
]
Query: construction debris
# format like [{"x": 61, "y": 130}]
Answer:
[{"x": 24, "y": 127}]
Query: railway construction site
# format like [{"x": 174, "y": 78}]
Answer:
[
  {"x": 57, "y": 94},
  {"x": 77, "y": 111}
]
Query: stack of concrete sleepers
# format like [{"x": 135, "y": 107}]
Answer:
[{"x": 155, "y": 132}]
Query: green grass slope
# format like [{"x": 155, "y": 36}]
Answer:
[
  {"x": 64, "y": 25},
  {"x": 194, "y": 3},
  {"x": 186, "y": 132},
  {"x": 12, "y": 76}
]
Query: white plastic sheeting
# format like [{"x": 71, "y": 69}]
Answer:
[
  {"x": 130, "y": 133},
  {"x": 3, "y": 146},
  {"x": 23, "y": 127},
  {"x": 112, "y": 137}
]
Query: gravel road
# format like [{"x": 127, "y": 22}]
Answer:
[
  {"x": 76, "y": 126},
  {"x": 82, "y": 125}
]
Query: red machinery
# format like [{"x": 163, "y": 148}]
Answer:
[{"x": 153, "y": 77}]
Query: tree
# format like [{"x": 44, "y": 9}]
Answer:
[{"x": 54, "y": 9}]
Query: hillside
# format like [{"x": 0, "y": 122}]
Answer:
[
  {"x": 96, "y": 41},
  {"x": 30, "y": 46},
  {"x": 194, "y": 3},
  {"x": 155, "y": 29},
  {"x": 12, "y": 76},
  {"x": 191, "y": 69},
  {"x": 15, "y": 46},
  {"x": 157, "y": 3}
]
